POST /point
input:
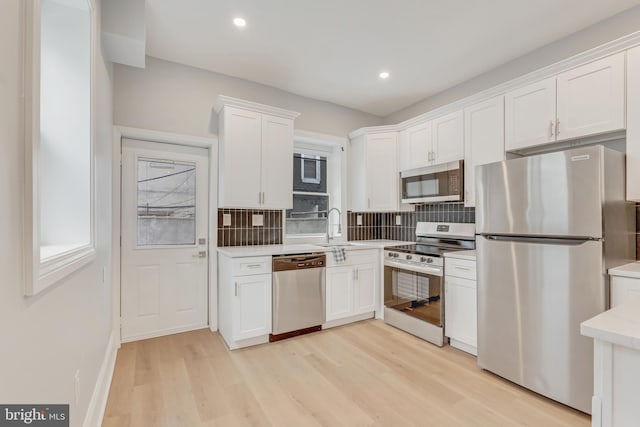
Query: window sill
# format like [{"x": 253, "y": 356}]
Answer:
[{"x": 53, "y": 269}]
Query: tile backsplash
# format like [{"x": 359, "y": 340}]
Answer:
[
  {"x": 242, "y": 231},
  {"x": 382, "y": 225}
]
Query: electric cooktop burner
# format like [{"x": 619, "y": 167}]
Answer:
[
  {"x": 420, "y": 249},
  {"x": 434, "y": 239}
]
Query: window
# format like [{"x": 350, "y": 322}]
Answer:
[
  {"x": 317, "y": 188},
  {"x": 59, "y": 139},
  {"x": 310, "y": 196},
  {"x": 166, "y": 203}
]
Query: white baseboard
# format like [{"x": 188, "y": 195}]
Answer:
[
  {"x": 98, "y": 402},
  {"x": 164, "y": 332},
  {"x": 347, "y": 320}
]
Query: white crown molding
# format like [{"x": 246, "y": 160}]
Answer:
[
  {"x": 610, "y": 48},
  {"x": 316, "y": 137},
  {"x": 227, "y": 101},
  {"x": 375, "y": 129},
  {"x": 166, "y": 137}
]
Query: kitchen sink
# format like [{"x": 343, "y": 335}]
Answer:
[{"x": 331, "y": 245}]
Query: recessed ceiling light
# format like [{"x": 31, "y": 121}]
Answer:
[
  {"x": 240, "y": 22},
  {"x": 384, "y": 75}
]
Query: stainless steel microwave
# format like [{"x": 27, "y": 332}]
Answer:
[{"x": 438, "y": 183}]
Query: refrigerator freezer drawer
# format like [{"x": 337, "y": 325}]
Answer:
[
  {"x": 532, "y": 298},
  {"x": 554, "y": 194}
]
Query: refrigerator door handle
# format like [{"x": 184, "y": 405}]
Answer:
[{"x": 542, "y": 240}]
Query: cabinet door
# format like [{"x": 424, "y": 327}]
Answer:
[
  {"x": 633, "y": 124},
  {"x": 365, "y": 288},
  {"x": 461, "y": 310},
  {"x": 624, "y": 289},
  {"x": 448, "y": 141},
  {"x": 530, "y": 114},
  {"x": 240, "y": 159},
  {"x": 277, "y": 162},
  {"x": 415, "y": 144},
  {"x": 251, "y": 306},
  {"x": 357, "y": 170},
  {"x": 483, "y": 141},
  {"x": 591, "y": 98},
  {"x": 339, "y": 292},
  {"x": 382, "y": 173}
]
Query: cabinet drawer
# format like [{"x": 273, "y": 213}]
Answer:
[
  {"x": 461, "y": 268},
  {"x": 251, "y": 266},
  {"x": 355, "y": 257}
]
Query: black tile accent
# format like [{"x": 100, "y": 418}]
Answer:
[{"x": 382, "y": 225}]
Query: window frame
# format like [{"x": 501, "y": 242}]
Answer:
[
  {"x": 333, "y": 149},
  {"x": 42, "y": 274},
  {"x": 137, "y": 245}
]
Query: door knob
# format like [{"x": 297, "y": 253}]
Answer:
[{"x": 200, "y": 254}]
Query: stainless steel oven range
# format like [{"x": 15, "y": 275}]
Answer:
[{"x": 414, "y": 278}]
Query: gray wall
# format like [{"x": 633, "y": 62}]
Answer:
[
  {"x": 171, "y": 97},
  {"x": 610, "y": 29},
  {"x": 47, "y": 337}
]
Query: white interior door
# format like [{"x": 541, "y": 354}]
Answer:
[{"x": 164, "y": 239}]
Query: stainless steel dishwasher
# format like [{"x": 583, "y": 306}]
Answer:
[{"x": 298, "y": 294}]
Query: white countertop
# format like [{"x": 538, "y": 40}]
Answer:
[
  {"x": 381, "y": 243},
  {"x": 620, "y": 325},
  {"x": 268, "y": 250},
  {"x": 631, "y": 270},
  {"x": 468, "y": 255}
]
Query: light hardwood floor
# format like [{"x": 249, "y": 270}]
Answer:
[{"x": 363, "y": 374}]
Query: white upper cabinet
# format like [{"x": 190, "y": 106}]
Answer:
[
  {"x": 448, "y": 138},
  {"x": 277, "y": 162},
  {"x": 587, "y": 100},
  {"x": 241, "y": 131},
  {"x": 591, "y": 99},
  {"x": 373, "y": 172},
  {"x": 633, "y": 124},
  {"x": 530, "y": 115},
  {"x": 256, "y": 155},
  {"x": 483, "y": 140},
  {"x": 415, "y": 146}
]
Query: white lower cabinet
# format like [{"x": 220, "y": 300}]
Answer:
[
  {"x": 244, "y": 294},
  {"x": 364, "y": 288},
  {"x": 461, "y": 306},
  {"x": 625, "y": 283},
  {"x": 339, "y": 292},
  {"x": 351, "y": 287},
  {"x": 251, "y": 306}
]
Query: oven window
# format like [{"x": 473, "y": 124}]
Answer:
[{"x": 415, "y": 294}]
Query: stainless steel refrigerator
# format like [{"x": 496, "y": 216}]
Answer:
[{"x": 549, "y": 226}]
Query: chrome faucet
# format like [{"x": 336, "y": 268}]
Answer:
[{"x": 329, "y": 237}]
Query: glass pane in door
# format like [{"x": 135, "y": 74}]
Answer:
[{"x": 166, "y": 203}]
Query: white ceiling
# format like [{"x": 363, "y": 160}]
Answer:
[{"x": 333, "y": 50}]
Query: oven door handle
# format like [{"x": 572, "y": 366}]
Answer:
[{"x": 433, "y": 271}]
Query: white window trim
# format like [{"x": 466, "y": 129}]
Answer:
[
  {"x": 42, "y": 274},
  {"x": 334, "y": 148}
]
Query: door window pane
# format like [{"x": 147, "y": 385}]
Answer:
[{"x": 166, "y": 203}]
